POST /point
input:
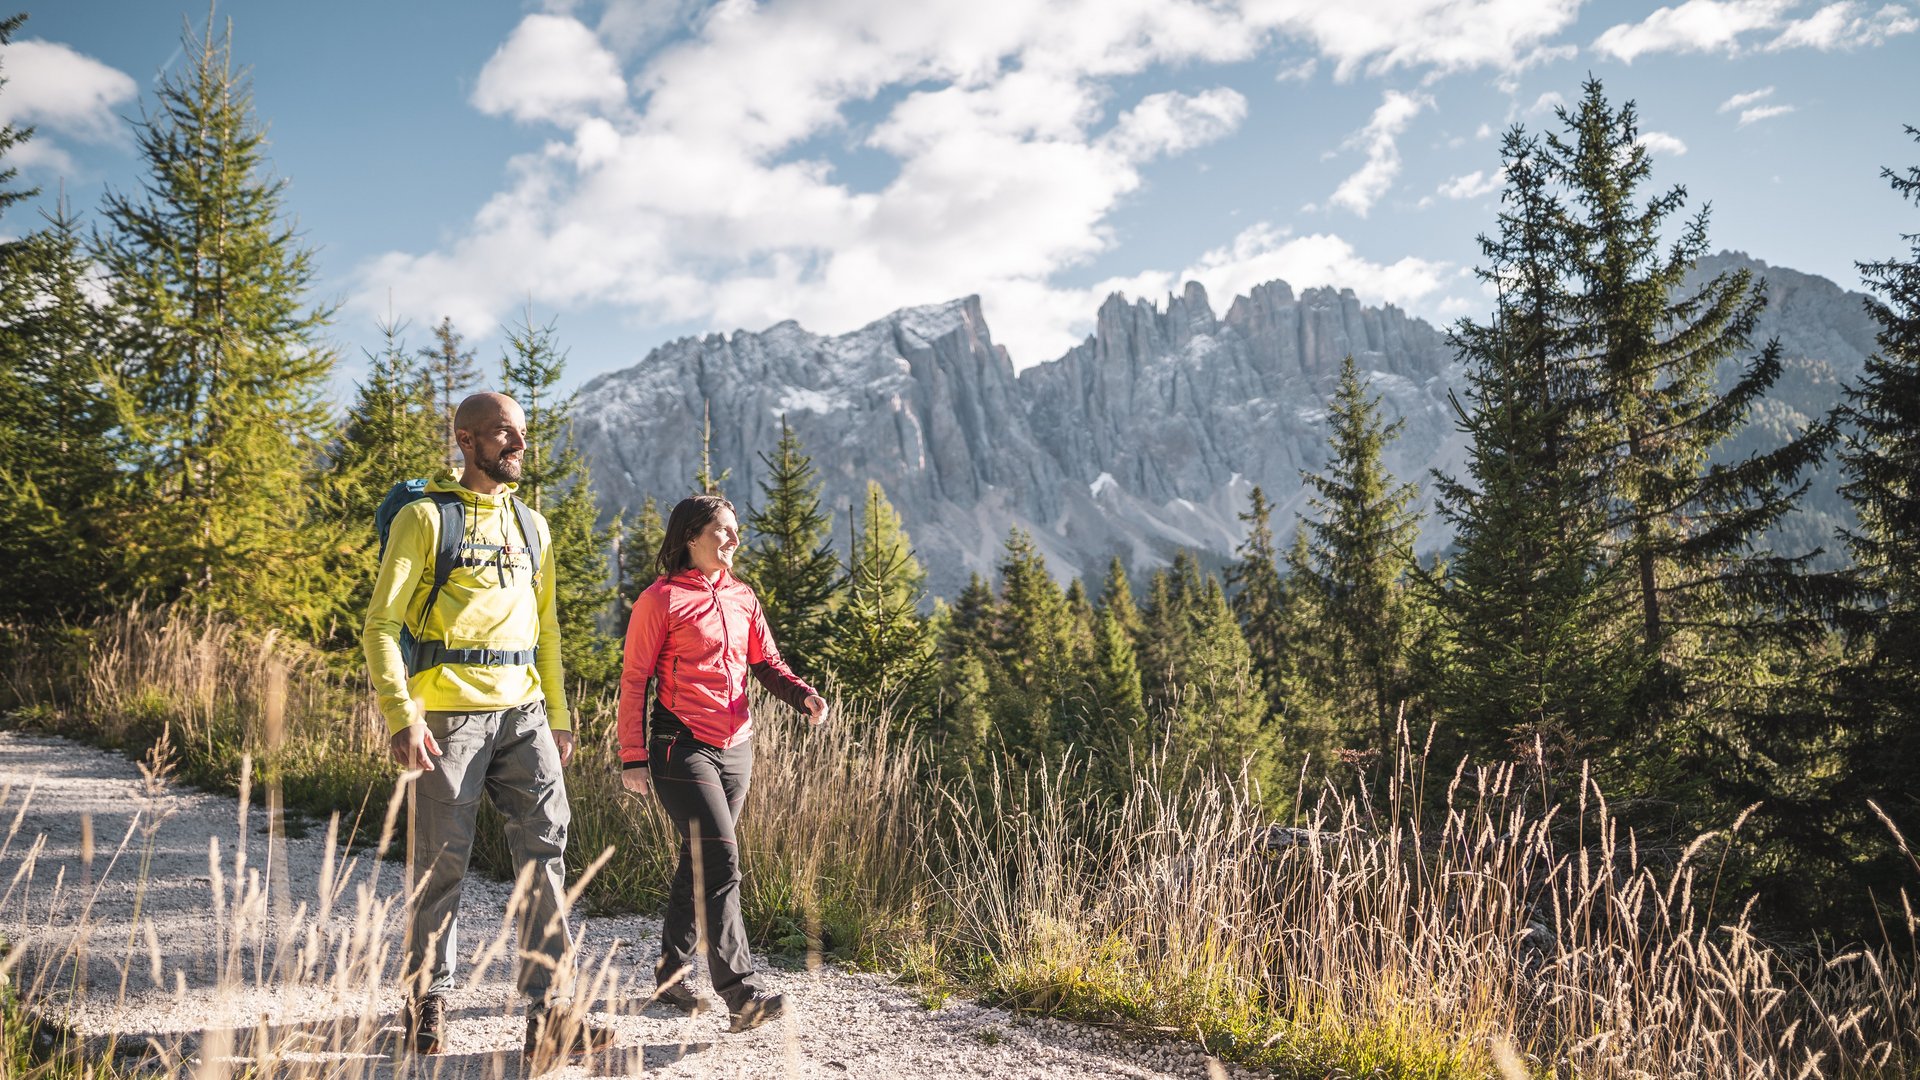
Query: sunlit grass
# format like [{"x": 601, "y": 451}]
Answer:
[{"x": 1508, "y": 928}]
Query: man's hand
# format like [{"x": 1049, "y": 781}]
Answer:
[
  {"x": 816, "y": 709},
  {"x": 414, "y": 747},
  {"x": 564, "y": 741},
  {"x": 635, "y": 780}
]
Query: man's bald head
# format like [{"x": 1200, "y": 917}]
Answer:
[
  {"x": 492, "y": 431},
  {"x": 483, "y": 408}
]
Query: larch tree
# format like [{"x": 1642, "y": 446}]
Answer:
[
  {"x": 221, "y": 365},
  {"x": 452, "y": 371},
  {"x": 880, "y": 650}
]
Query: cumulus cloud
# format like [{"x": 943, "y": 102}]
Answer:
[
  {"x": 1734, "y": 26},
  {"x": 1846, "y": 25},
  {"x": 1361, "y": 190},
  {"x": 1263, "y": 253},
  {"x": 1473, "y": 185},
  {"x": 1659, "y": 142},
  {"x": 62, "y": 91},
  {"x": 551, "y": 68},
  {"x": 695, "y": 187}
]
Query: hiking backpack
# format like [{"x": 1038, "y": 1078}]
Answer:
[{"x": 422, "y": 654}]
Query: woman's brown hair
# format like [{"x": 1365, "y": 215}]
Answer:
[{"x": 690, "y": 515}]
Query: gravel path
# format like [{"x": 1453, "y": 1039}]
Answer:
[{"x": 236, "y": 945}]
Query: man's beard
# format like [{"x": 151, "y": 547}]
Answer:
[{"x": 500, "y": 469}]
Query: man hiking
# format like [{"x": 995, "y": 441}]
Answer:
[{"x": 478, "y": 706}]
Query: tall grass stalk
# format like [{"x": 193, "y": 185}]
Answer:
[{"x": 1458, "y": 921}]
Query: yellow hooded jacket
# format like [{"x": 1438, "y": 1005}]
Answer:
[{"x": 492, "y": 600}]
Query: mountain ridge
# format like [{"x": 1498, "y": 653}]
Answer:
[{"x": 1143, "y": 439}]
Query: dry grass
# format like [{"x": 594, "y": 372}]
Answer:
[{"x": 1504, "y": 933}]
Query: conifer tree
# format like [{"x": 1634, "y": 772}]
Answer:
[
  {"x": 1689, "y": 535},
  {"x": 56, "y": 457},
  {"x": 222, "y": 368},
  {"x": 1032, "y": 647},
  {"x": 1359, "y": 548},
  {"x": 392, "y": 434},
  {"x": 1257, "y": 590},
  {"x": 790, "y": 561},
  {"x": 556, "y": 482},
  {"x": 1212, "y": 699},
  {"x": 880, "y": 649},
  {"x": 964, "y": 641},
  {"x": 704, "y": 480},
  {"x": 1532, "y": 642},
  {"x": 16, "y": 297},
  {"x": 640, "y": 542},
  {"x": 1117, "y": 730},
  {"x": 451, "y": 373},
  {"x": 1882, "y": 459}
]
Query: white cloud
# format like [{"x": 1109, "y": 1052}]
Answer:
[
  {"x": 1473, "y": 185},
  {"x": 1263, "y": 253},
  {"x": 1546, "y": 103},
  {"x": 1173, "y": 123},
  {"x": 1764, "y": 112},
  {"x": 1741, "y": 101},
  {"x": 1659, "y": 142},
  {"x": 1299, "y": 71},
  {"x": 551, "y": 68},
  {"x": 59, "y": 90},
  {"x": 1728, "y": 25},
  {"x": 694, "y": 187},
  {"x": 1361, "y": 190},
  {"x": 1845, "y": 26}
]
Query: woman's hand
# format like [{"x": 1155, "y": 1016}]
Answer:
[
  {"x": 816, "y": 709},
  {"x": 636, "y": 780}
]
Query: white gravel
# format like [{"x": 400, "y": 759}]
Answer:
[{"x": 80, "y": 956}]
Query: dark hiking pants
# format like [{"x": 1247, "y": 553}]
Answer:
[
  {"x": 702, "y": 788},
  {"x": 510, "y": 757}
]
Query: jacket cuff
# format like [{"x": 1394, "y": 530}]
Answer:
[{"x": 641, "y": 764}]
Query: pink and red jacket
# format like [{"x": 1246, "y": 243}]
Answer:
[{"x": 700, "y": 640}]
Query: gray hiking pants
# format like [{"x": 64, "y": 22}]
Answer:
[{"x": 510, "y": 755}]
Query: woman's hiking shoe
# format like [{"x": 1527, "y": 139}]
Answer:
[
  {"x": 678, "y": 996},
  {"x": 425, "y": 1021},
  {"x": 558, "y": 1035},
  {"x": 763, "y": 1006}
]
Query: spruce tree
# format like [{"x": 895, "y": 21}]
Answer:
[
  {"x": 1117, "y": 732},
  {"x": 451, "y": 373},
  {"x": 556, "y": 482},
  {"x": 1214, "y": 705},
  {"x": 790, "y": 561},
  {"x": 222, "y": 370},
  {"x": 640, "y": 542},
  {"x": 1255, "y": 580},
  {"x": 1532, "y": 648},
  {"x": 1032, "y": 642},
  {"x": 1359, "y": 548},
  {"x": 880, "y": 648},
  {"x": 1882, "y": 459},
  {"x": 392, "y": 434},
  {"x": 1709, "y": 599},
  {"x": 56, "y": 458},
  {"x": 16, "y": 295}
]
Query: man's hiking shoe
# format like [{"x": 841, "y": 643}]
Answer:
[
  {"x": 425, "y": 1022},
  {"x": 678, "y": 996},
  {"x": 763, "y": 1006},
  {"x": 558, "y": 1035}
]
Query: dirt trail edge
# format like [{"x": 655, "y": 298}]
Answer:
[{"x": 147, "y": 918}]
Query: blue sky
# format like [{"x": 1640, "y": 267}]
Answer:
[{"x": 644, "y": 169}]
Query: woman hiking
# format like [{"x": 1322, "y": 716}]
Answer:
[{"x": 697, "y": 632}]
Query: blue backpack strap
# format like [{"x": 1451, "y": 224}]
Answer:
[
  {"x": 453, "y": 529},
  {"x": 530, "y": 532}
]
